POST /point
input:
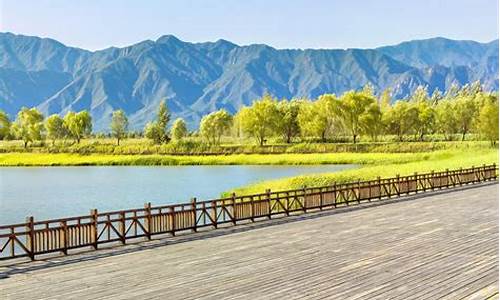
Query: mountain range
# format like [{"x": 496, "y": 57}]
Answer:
[{"x": 198, "y": 78}]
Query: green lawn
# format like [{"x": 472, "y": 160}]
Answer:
[{"x": 436, "y": 161}]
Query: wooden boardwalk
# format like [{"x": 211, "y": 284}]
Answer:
[{"x": 439, "y": 246}]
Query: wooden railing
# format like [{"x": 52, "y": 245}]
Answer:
[{"x": 61, "y": 235}]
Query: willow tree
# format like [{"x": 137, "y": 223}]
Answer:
[
  {"x": 317, "y": 118},
  {"x": 214, "y": 125},
  {"x": 260, "y": 120},
  {"x": 354, "y": 106},
  {"x": 54, "y": 125},
  {"x": 29, "y": 125},
  {"x": 78, "y": 124},
  {"x": 179, "y": 129},
  {"x": 287, "y": 122},
  {"x": 4, "y": 125}
]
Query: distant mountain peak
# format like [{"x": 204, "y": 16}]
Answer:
[
  {"x": 168, "y": 38},
  {"x": 197, "y": 78}
]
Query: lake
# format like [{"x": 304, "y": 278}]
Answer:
[{"x": 55, "y": 192}]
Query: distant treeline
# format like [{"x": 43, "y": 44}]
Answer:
[{"x": 461, "y": 110}]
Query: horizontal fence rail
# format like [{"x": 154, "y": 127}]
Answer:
[{"x": 61, "y": 235}]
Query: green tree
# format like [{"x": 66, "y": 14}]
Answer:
[
  {"x": 426, "y": 118},
  {"x": 78, "y": 124},
  {"x": 214, "y": 125},
  {"x": 318, "y": 118},
  {"x": 119, "y": 125},
  {"x": 353, "y": 106},
  {"x": 153, "y": 132},
  {"x": 4, "y": 125},
  {"x": 287, "y": 122},
  {"x": 29, "y": 125},
  {"x": 400, "y": 119},
  {"x": 488, "y": 121},
  {"x": 466, "y": 110},
  {"x": 157, "y": 130},
  {"x": 371, "y": 121},
  {"x": 446, "y": 118},
  {"x": 54, "y": 125},
  {"x": 261, "y": 119},
  {"x": 179, "y": 130}
]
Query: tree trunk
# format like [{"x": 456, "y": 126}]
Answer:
[
  {"x": 354, "y": 138},
  {"x": 118, "y": 141},
  {"x": 463, "y": 135},
  {"x": 25, "y": 144}
]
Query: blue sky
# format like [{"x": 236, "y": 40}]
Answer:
[{"x": 279, "y": 23}]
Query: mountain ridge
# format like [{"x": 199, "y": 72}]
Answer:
[{"x": 197, "y": 78}]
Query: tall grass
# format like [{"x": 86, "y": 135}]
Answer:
[
  {"x": 66, "y": 159},
  {"x": 436, "y": 161}
]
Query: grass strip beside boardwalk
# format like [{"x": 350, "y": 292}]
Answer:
[{"x": 440, "y": 160}]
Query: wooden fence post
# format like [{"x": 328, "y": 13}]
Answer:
[
  {"x": 358, "y": 197},
  {"x": 252, "y": 213},
  {"x": 171, "y": 211},
  {"x": 193, "y": 208},
  {"x": 233, "y": 196},
  {"x": 121, "y": 228},
  {"x": 30, "y": 228},
  {"x": 147, "y": 207},
  {"x": 94, "y": 216},
  {"x": 64, "y": 226},
  {"x": 432, "y": 180},
  {"x": 304, "y": 191},
  {"x": 379, "y": 188},
  {"x": 214, "y": 214},
  {"x": 268, "y": 198},
  {"x": 416, "y": 182},
  {"x": 398, "y": 189},
  {"x": 321, "y": 198},
  {"x": 287, "y": 204}
]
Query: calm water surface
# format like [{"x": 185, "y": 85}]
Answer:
[{"x": 54, "y": 192}]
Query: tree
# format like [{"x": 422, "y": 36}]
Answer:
[
  {"x": 179, "y": 130},
  {"x": 466, "y": 110},
  {"x": 425, "y": 118},
  {"x": 153, "y": 132},
  {"x": 287, "y": 122},
  {"x": 261, "y": 119},
  {"x": 317, "y": 118},
  {"x": 353, "y": 106},
  {"x": 400, "y": 119},
  {"x": 78, "y": 124},
  {"x": 119, "y": 125},
  {"x": 371, "y": 121},
  {"x": 29, "y": 125},
  {"x": 54, "y": 125},
  {"x": 157, "y": 130},
  {"x": 4, "y": 125},
  {"x": 488, "y": 121},
  {"x": 163, "y": 117},
  {"x": 446, "y": 118},
  {"x": 214, "y": 125}
]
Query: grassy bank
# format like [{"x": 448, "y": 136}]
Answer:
[
  {"x": 195, "y": 146},
  {"x": 65, "y": 159},
  {"x": 432, "y": 161}
]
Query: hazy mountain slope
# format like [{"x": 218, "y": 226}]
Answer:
[{"x": 197, "y": 78}]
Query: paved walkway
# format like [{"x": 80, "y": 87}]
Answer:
[{"x": 439, "y": 246}]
